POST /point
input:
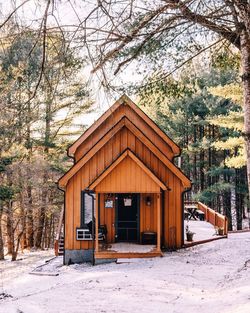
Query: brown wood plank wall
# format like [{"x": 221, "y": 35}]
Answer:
[
  {"x": 107, "y": 216},
  {"x": 103, "y": 158},
  {"x": 127, "y": 177},
  {"x": 115, "y": 118}
]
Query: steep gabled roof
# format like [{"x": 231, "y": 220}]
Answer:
[
  {"x": 135, "y": 178},
  {"x": 124, "y": 122},
  {"x": 77, "y": 166},
  {"x": 126, "y": 101}
]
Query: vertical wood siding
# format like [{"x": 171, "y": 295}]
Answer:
[
  {"x": 94, "y": 167},
  {"x": 115, "y": 118}
]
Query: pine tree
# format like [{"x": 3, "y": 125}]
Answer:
[
  {"x": 40, "y": 120},
  {"x": 191, "y": 112}
]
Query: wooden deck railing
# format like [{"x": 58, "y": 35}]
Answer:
[
  {"x": 215, "y": 218},
  {"x": 59, "y": 231}
]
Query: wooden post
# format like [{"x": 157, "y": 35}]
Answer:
[
  {"x": 158, "y": 247},
  {"x": 96, "y": 222}
]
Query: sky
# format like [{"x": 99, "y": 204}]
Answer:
[{"x": 68, "y": 13}]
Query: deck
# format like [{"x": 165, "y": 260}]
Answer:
[{"x": 204, "y": 232}]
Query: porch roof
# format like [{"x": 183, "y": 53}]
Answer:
[{"x": 127, "y": 174}]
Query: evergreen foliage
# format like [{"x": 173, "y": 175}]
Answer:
[{"x": 207, "y": 123}]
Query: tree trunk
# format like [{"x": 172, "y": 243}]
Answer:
[
  {"x": 11, "y": 240},
  {"x": 42, "y": 213},
  {"x": 202, "y": 160},
  {"x": 29, "y": 219},
  {"x": 245, "y": 64},
  {"x": 50, "y": 218},
  {"x": 16, "y": 247},
  {"x": 1, "y": 234},
  {"x": 233, "y": 207},
  {"x": 245, "y": 194},
  {"x": 9, "y": 231},
  {"x": 30, "y": 230},
  {"x": 45, "y": 233},
  {"x": 23, "y": 222},
  {"x": 227, "y": 199},
  {"x": 196, "y": 187}
]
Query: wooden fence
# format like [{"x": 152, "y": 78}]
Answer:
[{"x": 218, "y": 220}]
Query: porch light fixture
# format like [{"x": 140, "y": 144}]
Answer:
[{"x": 148, "y": 201}]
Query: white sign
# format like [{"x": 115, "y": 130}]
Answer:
[
  {"x": 109, "y": 204},
  {"x": 127, "y": 201}
]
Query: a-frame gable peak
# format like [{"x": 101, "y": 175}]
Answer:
[
  {"x": 137, "y": 132},
  {"x": 128, "y": 157},
  {"x": 124, "y": 100}
]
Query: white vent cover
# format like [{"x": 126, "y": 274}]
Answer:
[{"x": 83, "y": 234}]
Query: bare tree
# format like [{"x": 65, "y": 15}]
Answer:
[
  {"x": 40, "y": 81},
  {"x": 127, "y": 30},
  {"x": 1, "y": 233}
]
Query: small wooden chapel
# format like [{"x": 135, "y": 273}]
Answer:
[{"x": 123, "y": 188}]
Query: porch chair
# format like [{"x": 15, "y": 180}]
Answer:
[{"x": 102, "y": 231}]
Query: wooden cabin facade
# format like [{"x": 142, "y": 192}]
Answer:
[{"x": 124, "y": 161}]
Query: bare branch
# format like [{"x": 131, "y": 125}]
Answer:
[
  {"x": 44, "y": 50},
  {"x": 128, "y": 38},
  {"x": 184, "y": 62},
  {"x": 12, "y": 13},
  {"x": 228, "y": 34}
]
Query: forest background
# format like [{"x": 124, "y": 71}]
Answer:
[{"x": 45, "y": 89}]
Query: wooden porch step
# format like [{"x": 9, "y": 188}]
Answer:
[
  {"x": 61, "y": 245},
  {"x": 126, "y": 255}
]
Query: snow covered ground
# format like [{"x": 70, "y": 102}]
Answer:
[
  {"x": 214, "y": 277},
  {"x": 246, "y": 223}
]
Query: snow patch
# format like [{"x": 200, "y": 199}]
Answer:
[{"x": 212, "y": 277}]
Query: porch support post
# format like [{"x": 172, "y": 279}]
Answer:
[
  {"x": 158, "y": 247},
  {"x": 96, "y": 223}
]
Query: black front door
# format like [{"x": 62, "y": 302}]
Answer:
[{"x": 127, "y": 217}]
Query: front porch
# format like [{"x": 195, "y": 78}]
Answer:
[
  {"x": 126, "y": 250},
  {"x": 128, "y": 205},
  {"x": 127, "y": 224}
]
